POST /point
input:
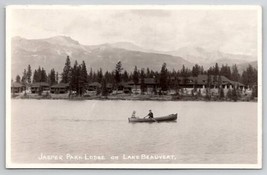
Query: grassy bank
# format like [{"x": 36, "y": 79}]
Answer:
[{"x": 138, "y": 97}]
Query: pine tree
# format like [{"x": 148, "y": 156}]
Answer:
[
  {"x": 142, "y": 78},
  {"x": 29, "y": 74},
  {"x": 35, "y": 77},
  {"x": 18, "y": 79},
  {"x": 184, "y": 74},
  {"x": 104, "y": 90},
  {"x": 163, "y": 77},
  {"x": 135, "y": 76},
  {"x": 24, "y": 77},
  {"x": 94, "y": 79},
  {"x": 74, "y": 83},
  {"x": 118, "y": 70},
  {"x": 235, "y": 75},
  {"x": 66, "y": 74},
  {"x": 250, "y": 76},
  {"x": 90, "y": 77},
  {"x": 52, "y": 77},
  {"x": 216, "y": 69},
  {"x": 196, "y": 70},
  {"x": 108, "y": 77},
  {"x": 125, "y": 76},
  {"x": 226, "y": 71},
  {"x": 148, "y": 73},
  {"x": 43, "y": 75},
  {"x": 83, "y": 77},
  {"x": 99, "y": 76},
  {"x": 80, "y": 84}
]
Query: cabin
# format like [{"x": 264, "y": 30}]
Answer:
[
  {"x": 39, "y": 87},
  {"x": 94, "y": 86},
  {"x": 109, "y": 87},
  {"x": 124, "y": 87},
  {"x": 127, "y": 89},
  {"x": 17, "y": 87},
  {"x": 150, "y": 84},
  {"x": 60, "y": 88}
]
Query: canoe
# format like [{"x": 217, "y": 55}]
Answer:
[{"x": 171, "y": 117}]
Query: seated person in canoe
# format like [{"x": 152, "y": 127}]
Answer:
[
  {"x": 133, "y": 115},
  {"x": 150, "y": 114}
]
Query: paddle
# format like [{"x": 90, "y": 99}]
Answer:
[{"x": 152, "y": 119}]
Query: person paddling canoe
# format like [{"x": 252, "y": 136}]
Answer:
[{"x": 150, "y": 114}]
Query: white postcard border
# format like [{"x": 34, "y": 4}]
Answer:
[{"x": 9, "y": 163}]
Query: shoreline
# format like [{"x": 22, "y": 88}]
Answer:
[{"x": 131, "y": 98}]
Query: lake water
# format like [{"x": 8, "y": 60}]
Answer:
[{"x": 93, "y": 131}]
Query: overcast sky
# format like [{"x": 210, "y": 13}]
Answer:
[{"x": 231, "y": 31}]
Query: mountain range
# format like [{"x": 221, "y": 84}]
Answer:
[{"x": 52, "y": 52}]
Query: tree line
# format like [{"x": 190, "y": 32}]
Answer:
[{"x": 78, "y": 77}]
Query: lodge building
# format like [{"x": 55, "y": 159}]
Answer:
[
  {"x": 60, "y": 88},
  {"x": 201, "y": 81},
  {"x": 150, "y": 85},
  {"x": 39, "y": 87}
]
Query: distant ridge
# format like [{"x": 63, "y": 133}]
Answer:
[
  {"x": 196, "y": 55},
  {"x": 52, "y": 52}
]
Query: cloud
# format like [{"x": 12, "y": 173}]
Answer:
[{"x": 232, "y": 31}]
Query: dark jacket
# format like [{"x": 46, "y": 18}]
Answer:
[{"x": 150, "y": 115}]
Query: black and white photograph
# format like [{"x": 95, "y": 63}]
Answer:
[{"x": 134, "y": 86}]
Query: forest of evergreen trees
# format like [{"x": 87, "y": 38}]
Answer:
[{"x": 78, "y": 77}]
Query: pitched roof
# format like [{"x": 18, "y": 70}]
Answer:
[
  {"x": 38, "y": 84},
  {"x": 60, "y": 85},
  {"x": 17, "y": 85},
  {"x": 95, "y": 84},
  {"x": 149, "y": 81},
  {"x": 202, "y": 80},
  {"x": 235, "y": 83},
  {"x": 146, "y": 81}
]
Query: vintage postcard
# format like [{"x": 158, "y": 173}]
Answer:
[{"x": 151, "y": 87}]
